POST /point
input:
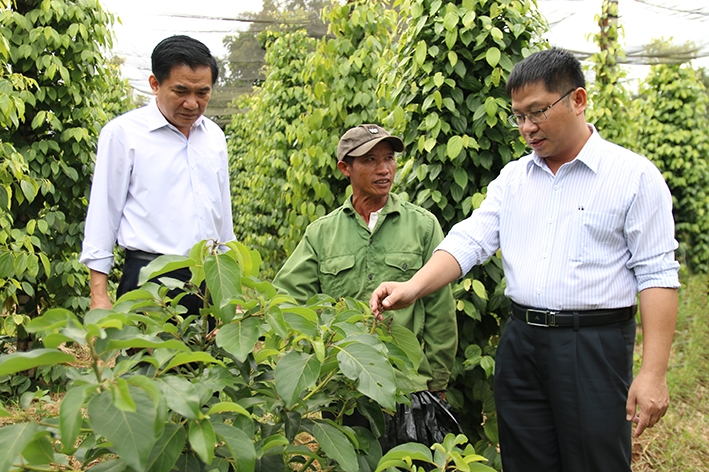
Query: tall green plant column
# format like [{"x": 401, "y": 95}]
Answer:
[
  {"x": 259, "y": 148},
  {"x": 609, "y": 107},
  {"x": 447, "y": 84},
  {"x": 61, "y": 46},
  {"x": 343, "y": 77},
  {"x": 672, "y": 133}
]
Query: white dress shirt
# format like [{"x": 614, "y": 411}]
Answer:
[
  {"x": 589, "y": 237},
  {"x": 156, "y": 190}
]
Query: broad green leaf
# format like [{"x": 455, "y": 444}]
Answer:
[
  {"x": 167, "y": 449},
  {"x": 51, "y": 319},
  {"x": 202, "y": 439},
  {"x": 113, "y": 465},
  {"x": 223, "y": 277},
  {"x": 181, "y": 396},
  {"x": 71, "y": 415},
  {"x": 131, "y": 433},
  {"x": 145, "y": 341},
  {"x": 192, "y": 356},
  {"x": 479, "y": 289},
  {"x": 397, "y": 455},
  {"x": 420, "y": 54},
  {"x": 295, "y": 372},
  {"x": 120, "y": 395},
  {"x": 239, "y": 338},
  {"x": 407, "y": 342},
  {"x": 163, "y": 265},
  {"x": 19, "y": 361},
  {"x": 492, "y": 56},
  {"x": 336, "y": 446},
  {"x": 7, "y": 264},
  {"x": 13, "y": 440},
  {"x": 460, "y": 176},
  {"x": 39, "y": 451},
  {"x": 239, "y": 444},
  {"x": 228, "y": 406},
  {"x": 454, "y": 147},
  {"x": 372, "y": 372}
]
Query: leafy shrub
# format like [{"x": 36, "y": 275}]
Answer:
[{"x": 161, "y": 390}]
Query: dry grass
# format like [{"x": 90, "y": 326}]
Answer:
[{"x": 680, "y": 441}]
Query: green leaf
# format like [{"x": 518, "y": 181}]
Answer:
[
  {"x": 181, "y": 396},
  {"x": 295, "y": 372},
  {"x": 454, "y": 147},
  {"x": 239, "y": 444},
  {"x": 19, "y": 361},
  {"x": 145, "y": 341},
  {"x": 372, "y": 372},
  {"x": 131, "y": 433},
  {"x": 51, "y": 320},
  {"x": 396, "y": 456},
  {"x": 163, "y": 265},
  {"x": 479, "y": 289},
  {"x": 121, "y": 396},
  {"x": 228, "y": 406},
  {"x": 192, "y": 356},
  {"x": 492, "y": 56},
  {"x": 71, "y": 415},
  {"x": 239, "y": 338},
  {"x": 407, "y": 342},
  {"x": 203, "y": 439},
  {"x": 7, "y": 264},
  {"x": 420, "y": 54},
  {"x": 167, "y": 449},
  {"x": 223, "y": 277},
  {"x": 336, "y": 446},
  {"x": 39, "y": 451},
  {"x": 13, "y": 440}
]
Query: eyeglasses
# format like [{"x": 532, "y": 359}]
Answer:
[{"x": 537, "y": 116}]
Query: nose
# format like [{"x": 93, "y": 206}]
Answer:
[
  {"x": 190, "y": 103},
  {"x": 528, "y": 125}
]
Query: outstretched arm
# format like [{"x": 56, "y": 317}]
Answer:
[
  {"x": 648, "y": 392},
  {"x": 440, "y": 270}
]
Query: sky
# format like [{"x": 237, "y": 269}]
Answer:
[{"x": 143, "y": 23}]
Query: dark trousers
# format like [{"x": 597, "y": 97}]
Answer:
[
  {"x": 131, "y": 273},
  {"x": 561, "y": 396}
]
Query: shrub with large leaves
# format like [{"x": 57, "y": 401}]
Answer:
[{"x": 158, "y": 390}]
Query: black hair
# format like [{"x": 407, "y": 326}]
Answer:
[
  {"x": 181, "y": 50},
  {"x": 557, "y": 69}
]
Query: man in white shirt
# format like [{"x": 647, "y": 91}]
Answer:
[
  {"x": 583, "y": 226},
  {"x": 161, "y": 181}
]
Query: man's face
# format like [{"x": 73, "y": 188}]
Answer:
[
  {"x": 555, "y": 139},
  {"x": 183, "y": 96},
  {"x": 372, "y": 174}
]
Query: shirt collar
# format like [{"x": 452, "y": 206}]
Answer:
[
  {"x": 393, "y": 205},
  {"x": 588, "y": 155},
  {"x": 157, "y": 120}
]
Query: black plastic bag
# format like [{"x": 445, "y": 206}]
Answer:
[{"x": 426, "y": 421}]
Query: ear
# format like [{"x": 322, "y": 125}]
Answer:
[
  {"x": 344, "y": 168},
  {"x": 579, "y": 100},
  {"x": 153, "y": 81}
]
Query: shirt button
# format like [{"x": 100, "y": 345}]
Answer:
[
  {"x": 370, "y": 240},
  {"x": 405, "y": 266},
  {"x": 370, "y": 276},
  {"x": 539, "y": 291}
]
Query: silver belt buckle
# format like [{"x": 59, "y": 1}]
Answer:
[{"x": 543, "y": 318}]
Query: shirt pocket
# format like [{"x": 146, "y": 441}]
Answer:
[
  {"x": 595, "y": 237},
  {"x": 401, "y": 266},
  {"x": 335, "y": 274}
]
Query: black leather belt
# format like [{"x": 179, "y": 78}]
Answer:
[
  {"x": 141, "y": 255},
  {"x": 571, "y": 319}
]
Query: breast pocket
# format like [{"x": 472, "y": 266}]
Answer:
[
  {"x": 335, "y": 272},
  {"x": 594, "y": 235},
  {"x": 401, "y": 266}
]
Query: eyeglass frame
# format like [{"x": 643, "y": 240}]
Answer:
[{"x": 514, "y": 119}]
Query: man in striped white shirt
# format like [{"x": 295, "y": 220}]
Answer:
[{"x": 583, "y": 226}]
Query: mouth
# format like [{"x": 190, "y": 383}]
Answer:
[
  {"x": 382, "y": 182},
  {"x": 535, "y": 143}
]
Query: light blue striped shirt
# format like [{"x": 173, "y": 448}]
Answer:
[{"x": 589, "y": 237}]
